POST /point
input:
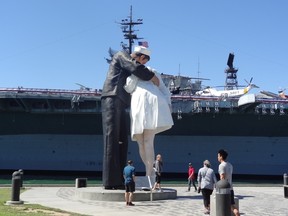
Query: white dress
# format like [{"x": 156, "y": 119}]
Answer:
[{"x": 150, "y": 107}]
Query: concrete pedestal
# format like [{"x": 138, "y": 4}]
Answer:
[
  {"x": 143, "y": 191},
  {"x": 100, "y": 194},
  {"x": 144, "y": 182}
]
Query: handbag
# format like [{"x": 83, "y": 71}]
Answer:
[{"x": 131, "y": 83}]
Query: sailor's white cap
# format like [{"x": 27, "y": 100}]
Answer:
[{"x": 143, "y": 50}]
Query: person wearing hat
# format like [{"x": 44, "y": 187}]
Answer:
[
  {"x": 114, "y": 101},
  {"x": 191, "y": 177},
  {"x": 150, "y": 114},
  {"x": 206, "y": 183}
]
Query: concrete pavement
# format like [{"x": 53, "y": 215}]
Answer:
[{"x": 253, "y": 201}]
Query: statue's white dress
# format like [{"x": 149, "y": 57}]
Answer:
[{"x": 150, "y": 107}]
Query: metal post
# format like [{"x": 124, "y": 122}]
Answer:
[
  {"x": 285, "y": 180},
  {"x": 15, "y": 190},
  {"x": 81, "y": 182},
  {"x": 150, "y": 186},
  {"x": 223, "y": 198},
  {"x": 21, "y": 172}
]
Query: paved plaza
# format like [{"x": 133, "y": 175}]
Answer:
[{"x": 253, "y": 201}]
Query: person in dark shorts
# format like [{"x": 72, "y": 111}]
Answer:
[
  {"x": 158, "y": 166},
  {"x": 129, "y": 176}
]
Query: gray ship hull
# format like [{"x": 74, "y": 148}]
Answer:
[
  {"x": 62, "y": 131},
  {"x": 249, "y": 155}
]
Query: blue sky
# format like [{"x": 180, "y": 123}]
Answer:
[{"x": 57, "y": 43}]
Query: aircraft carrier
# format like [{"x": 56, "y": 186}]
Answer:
[
  {"x": 44, "y": 129},
  {"x": 61, "y": 130}
]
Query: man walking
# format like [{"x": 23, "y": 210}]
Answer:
[
  {"x": 191, "y": 177},
  {"x": 225, "y": 172}
]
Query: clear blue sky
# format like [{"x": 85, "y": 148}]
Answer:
[{"x": 57, "y": 43}]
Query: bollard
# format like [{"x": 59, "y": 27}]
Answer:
[
  {"x": 80, "y": 182},
  {"x": 285, "y": 180},
  {"x": 15, "y": 191},
  {"x": 223, "y": 198},
  {"x": 21, "y": 172}
]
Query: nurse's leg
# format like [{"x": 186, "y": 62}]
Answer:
[{"x": 149, "y": 136}]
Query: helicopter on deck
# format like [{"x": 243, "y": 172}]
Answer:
[
  {"x": 226, "y": 93},
  {"x": 232, "y": 89}
]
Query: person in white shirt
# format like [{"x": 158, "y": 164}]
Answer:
[{"x": 225, "y": 171}]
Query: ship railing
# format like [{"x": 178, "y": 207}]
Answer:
[
  {"x": 199, "y": 104},
  {"x": 39, "y": 91},
  {"x": 272, "y": 100},
  {"x": 214, "y": 98},
  {"x": 194, "y": 97}
]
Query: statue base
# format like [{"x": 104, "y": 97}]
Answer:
[
  {"x": 100, "y": 194},
  {"x": 143, "y": 192}
]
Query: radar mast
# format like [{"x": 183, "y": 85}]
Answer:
[
  {"x": 127, "y": 26},
  {"x": 231, "y": 74}
]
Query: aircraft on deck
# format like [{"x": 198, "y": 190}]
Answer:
[
  {"x": 280, "y": 95},
  {"x": 226, "y": 93},
  {"x": 82, "y": 87}
]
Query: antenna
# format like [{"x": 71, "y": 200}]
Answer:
[
  {"x": 128, "y": 30},
  {"x": 198, "y": 72}
]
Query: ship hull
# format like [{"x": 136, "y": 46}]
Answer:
[
  {"x": 249, "y": 155},
  {"x": 54, "y": 131}
]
